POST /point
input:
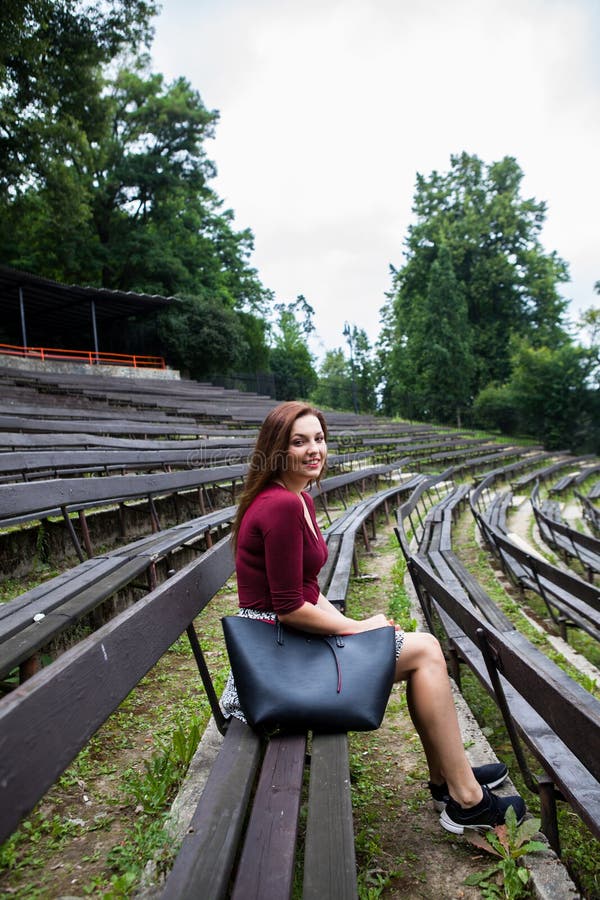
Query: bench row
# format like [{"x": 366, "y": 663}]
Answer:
[
  {"x": 542, "y": 707},
  {"x": 242, "y": 838}
]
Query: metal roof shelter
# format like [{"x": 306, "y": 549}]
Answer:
[{"x": 32, "y": 304}]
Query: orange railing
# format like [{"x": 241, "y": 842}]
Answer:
[{"x": 91, "y": 357}]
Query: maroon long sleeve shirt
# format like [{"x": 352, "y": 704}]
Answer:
[{"x": 278, "y": 557}]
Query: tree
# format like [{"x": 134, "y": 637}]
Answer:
[
  {"x": 509, "y": 284},
  {"x": 551, "y": 394},
  {"x": 441, "y": 346},
  {"x": 589, "y": 324},
  {"x": 117, "y": 192},
  {"x": 51, "y": 54},
  {"x": 334, "y": 388},
  {"x": 495, "y": 409},
  {"x": 201, "y": 336},
  {"x": 130, "y": 207},
  {"x": 363, "y": 371},
  {"x": 290, "y": 359}
]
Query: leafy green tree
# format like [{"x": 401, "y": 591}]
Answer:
[
  {"x": 201, "y": 336},
  {"x": 589, "y": 324},
  {"x": 365, "y": 371},
  {"x": 334, "y": 388},
  {"x": 111, "y": 183},
  {"x": 132, "y": 209},
  {"x": 290, "y": 359},
  {"x": 508, "y": 282},
  {"x": 495, "y": 409},
  {"x": 550, "y": 393},
  {"x": 51, "y": 56},
  {"x": 442, "y": 364}
]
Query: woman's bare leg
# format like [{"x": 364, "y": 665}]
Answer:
[{"x": 431, "y": 705}]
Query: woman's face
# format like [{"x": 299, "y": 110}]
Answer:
[{"x": 307, "y": 451}]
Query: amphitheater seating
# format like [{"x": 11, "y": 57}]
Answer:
[
  {"x": 70, "y": 717},
  {"x": 569, "y": 542},
  {"x": 542, "y": 707},
  {"x": 62, "y": 443}
]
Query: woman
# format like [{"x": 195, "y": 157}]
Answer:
[{"x": 279, "y": 553}]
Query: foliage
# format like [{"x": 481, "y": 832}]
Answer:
[
  {"x": 51, "y": 53},
  {"x": 495, "y": 409},
  {"x": 334, "y": 389},
  {"x": 363, "y": 371},
  {"x": 349, "y": 383},
  {"x": 485, "y": 239},
  {"x": 105, "y": 180},
  {"x": 437, "y": 363},
  {"x": 290, "y": 359},
  {"x": 510, "y": 842},
  {"x": 547, "y": 397},
  {"x": 201, "y": 335}
]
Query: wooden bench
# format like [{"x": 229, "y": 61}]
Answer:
[
  {"x": 541, "y": 474},
  {"x": 265, "y": 867},
  {"x": 45, "y": 464},
  {"x": 570, "y": 601},
  {"x": 33, "y": 620},
  {"x": 69, "y": 700},
  {"x": 591, "y": 513},
  {"x": 22, "y": 502},
  {"x": 502, "y": 473},
  {"x": 542, "y": 707},
  {"x": 244, "y": 830},
  {"x": 569, "y": 542}
]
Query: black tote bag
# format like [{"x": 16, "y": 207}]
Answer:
[{"x": 292, "y": 680}]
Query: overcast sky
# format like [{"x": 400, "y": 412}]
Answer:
[{"x": 329, "y": 108}]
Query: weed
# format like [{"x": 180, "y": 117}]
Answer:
[
  {"x": 152, "y": 789},
  {"x": 510, "y": 842}
]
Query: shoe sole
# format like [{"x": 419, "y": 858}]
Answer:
[
  {"x": 455, "y": 828},
  {"x": 440, "y": 805}
]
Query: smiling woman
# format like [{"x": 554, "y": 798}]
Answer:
[{"x": 279, "y": 554}]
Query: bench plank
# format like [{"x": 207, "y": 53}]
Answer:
[
  {"x": 207, "y": 855},
  {"x": 329, "y": 857},
  {"x": 273, "y": 827}
]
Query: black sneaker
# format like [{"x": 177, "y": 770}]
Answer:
[
  {"x": 491, "y": 775},
  {"x": 487, "y": 814}
]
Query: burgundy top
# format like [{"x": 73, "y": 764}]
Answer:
[{"x": 278, "y": 557}]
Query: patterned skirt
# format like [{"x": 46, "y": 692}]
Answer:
[{"x": 230, "y": 703}]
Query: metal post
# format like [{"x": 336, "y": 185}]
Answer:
[
  {"x": 347, "y": 332},
  {"x": 220, "y": 720},
  {"x": 22, "y": 307},
  {"x": 94, "y": 328}
]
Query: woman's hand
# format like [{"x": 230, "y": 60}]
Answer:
[{"x": 378, "y": 621}]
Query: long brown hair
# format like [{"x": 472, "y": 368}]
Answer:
[{"x": 270, "y": 453}]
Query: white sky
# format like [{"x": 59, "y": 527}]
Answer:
[{"x": 329, "y": 108}]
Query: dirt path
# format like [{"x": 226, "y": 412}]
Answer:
[{"x": 430, "y": 863}]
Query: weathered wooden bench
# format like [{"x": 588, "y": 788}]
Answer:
[
  {"x": 44, "y": 464},
  {"x": 542, "y": 707},
  {"x": 26, "y": 501},
  {"x": 30, "y": 622},
  {"x": 569, "y": 542},
  {"x": 503, "y": 473},
  {"x": 544, "y": 472},
  {"x": 242, "y": 839},
  {"x": 266, "y": 855},
  {"x": 571, "y": 602},
  {"x": 64, "y": 600},
  {"x": 251, "y": 779},
  {"x": 591, "y": 513}
]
